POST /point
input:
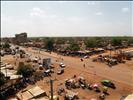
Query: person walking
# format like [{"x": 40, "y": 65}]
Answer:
[
  {"x": 84, "y": 65},
  {"x": 81, "y": 59}
]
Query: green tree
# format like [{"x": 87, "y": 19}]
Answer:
[
  {"x": 6, "y": 45},
  {"x": 130, "y": 41},
  {"x": 49, "y": 44},
  {"x": 60, "y": 41},
  {"x": 25, "y": 70},
  {"x": 2, "y": 79},
  {"x": 116, "y": 41},
  {"x": 73, "y": 47},
  {"x": 91, "y": 43}
]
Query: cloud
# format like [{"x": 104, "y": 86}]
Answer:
[
  {"x": 99, "y": 13},
  {"x": 36, "y": 12},
  {"x": 93, "y": 2},
  {"x": 48, "y": 8},
  {"x": 125, "y": 9},
  {"x": 53, "y": 16},
  {"x": 62, "y": 1},
  {"x": 10, "y": 28},
  {"x": 57, "y": 23},
  {"x": 37, "y": 9}
]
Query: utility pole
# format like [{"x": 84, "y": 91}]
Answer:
[{"x": 51, "y": 89}]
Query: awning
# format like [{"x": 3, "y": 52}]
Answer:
[
  {"x": 31, "y": 94},
  {"x": 36, "y": 91},
  {"x": 129, "y": 97},
  {"x": 24, "y": 96},
  {"x": 95, "y": 85},
  {"x": 12, "y": 77}
]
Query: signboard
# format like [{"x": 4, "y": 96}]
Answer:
[{"x": 47, "y": 63}]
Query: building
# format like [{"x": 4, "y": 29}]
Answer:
[
  {"x": 20, "y": 38},
  {"x": 6, "y": 40},
  {"x": 35, "y": 93},
  {"x": 129, "y": 53},
  {"x": 129, "y": 97}
]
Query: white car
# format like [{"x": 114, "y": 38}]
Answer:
[
  {"x": 85, "y": 57},
  {"x": 62, "y": 65}
]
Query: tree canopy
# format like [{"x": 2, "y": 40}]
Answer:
[
  {"x": 24, "y": 69},
  {"x": 73, "y": 47},
  {"x": 2, "y": 79},
  {"x": 6, "y": 45},
  {"x": 91, "y": 43},
  {"x": 130, "y": 41},
  {"x": 49, "y": 44},
  {"x": 60, "y": 41},
  {"x": 116, "y": 41}
]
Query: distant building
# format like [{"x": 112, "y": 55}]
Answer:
[
  {"x": 20, "y": 38},
  {"x": 129, "y": 53},
  {"x": 7, "y": 40}
]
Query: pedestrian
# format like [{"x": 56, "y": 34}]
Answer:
[
  {"x": 81, "y": 59},
  {"x": 74, "y": 76},
  {"x": 102, "y": 96},
  {"x": 84, "y": 65},
  {"x": 62, "y": 59}
]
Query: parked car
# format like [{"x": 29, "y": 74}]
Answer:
[
  {"x": 47, "y": 73},
  {"x": 108, "y": 83},
  {"x": 60, "y": 71},
  {"x": 85, "y": 57},
  {"x": 62, "y": 65}
]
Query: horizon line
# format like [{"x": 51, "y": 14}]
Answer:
[{"x": 70, "y": 36}]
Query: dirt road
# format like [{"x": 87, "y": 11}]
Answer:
[{"x": 120, "y": 73}]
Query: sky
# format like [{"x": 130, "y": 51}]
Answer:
[{"x": 67, "y": 18}]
